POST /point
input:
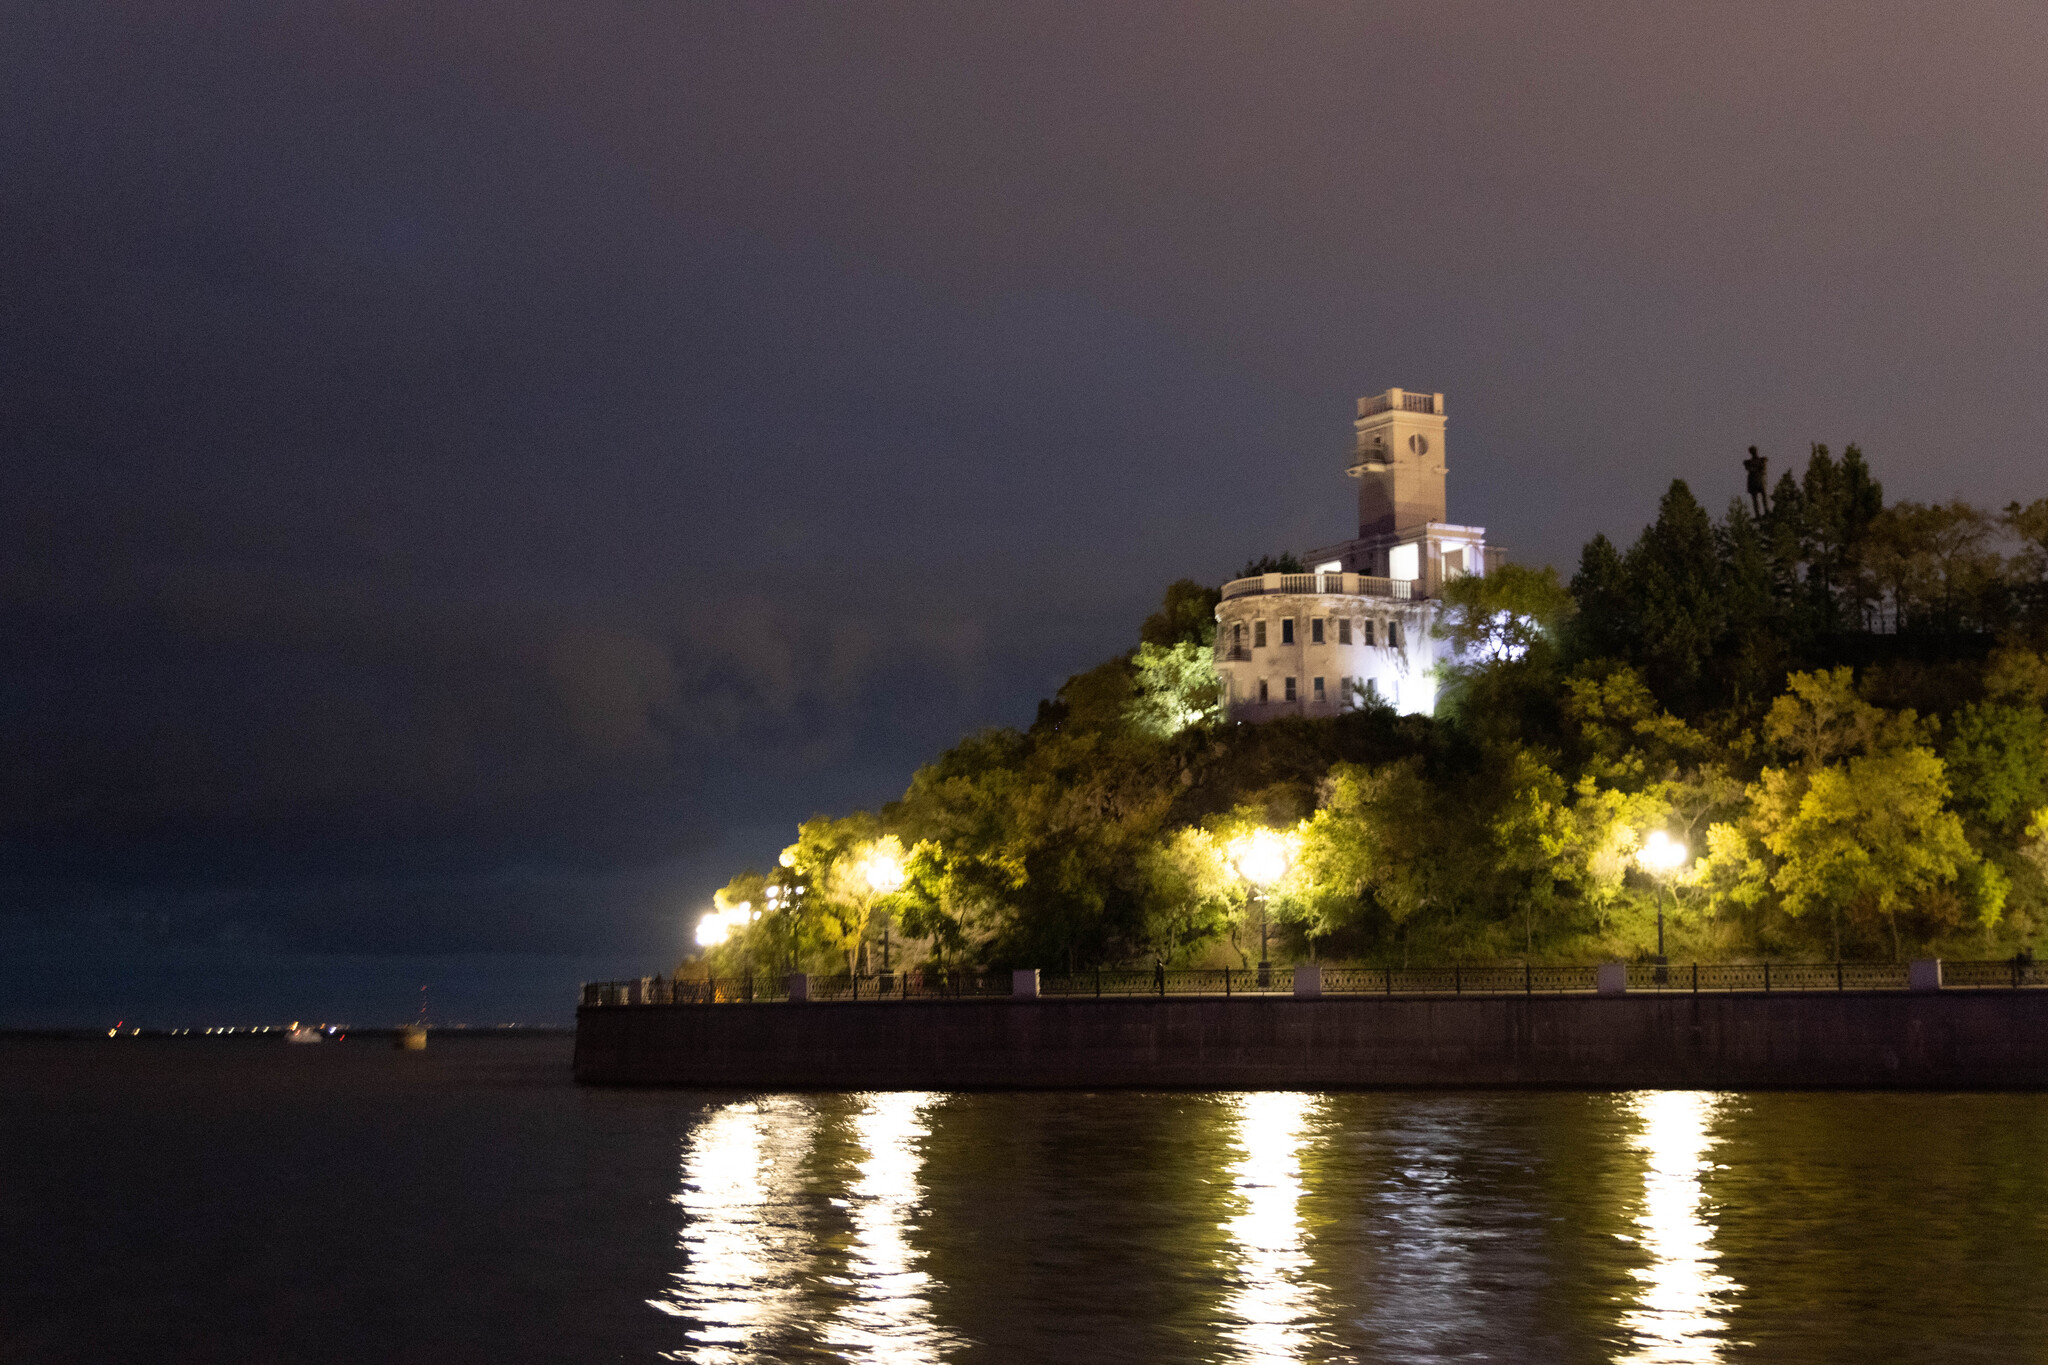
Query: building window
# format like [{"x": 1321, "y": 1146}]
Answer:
[
  {"x": 1290, "y": 689},
  {"x": 1287, "y": 630},
  {"x": 1344, "y": 630},
  {"x": 1372, "y": 689},
  {"x": 1262, "y": 689},
  {"x": 1394, "y": 635},
  {"x": 1259, "y": 634},
  {"x": 1315, "y": 631},
  {"x": 1368, "y": 633},
  {"x": 1318, "y": 689},
  {"x": 1344, "y": 690}
]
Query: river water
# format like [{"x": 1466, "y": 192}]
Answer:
[{"x": 203, "y": 1200}]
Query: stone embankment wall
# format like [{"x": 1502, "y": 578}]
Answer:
[{"x": 1989, "y": 1040}]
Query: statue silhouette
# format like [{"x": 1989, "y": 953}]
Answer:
[{"x": 1759, "y": 499}]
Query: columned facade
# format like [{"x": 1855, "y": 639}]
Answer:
[{"x": 1317, "y": 644}]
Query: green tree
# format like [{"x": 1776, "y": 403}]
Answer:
[
  {"x": 1280, "y": 563},
  {"x": 1821, "y": 718},
  {"x": 1838, "y": 504},
  {"x": 1868, "y": 837},
  {"x": 1186, "y": 617},
  {"x": 1537, "y": 851},
  {"x": 1604, "y": 625},
  {"x": 1177, "y": 687},
  {"x": 1997, "y": 758},
  {"x": 853, "y": 869},
  {"x": 1675, "y": 584},
  {"x": 1192, "y": 895},
  {"x": 1759, "y": 639},
  {"x": 1503, "y": 616}
]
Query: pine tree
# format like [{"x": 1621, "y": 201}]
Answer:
[{"x": 1674, "y": 577}]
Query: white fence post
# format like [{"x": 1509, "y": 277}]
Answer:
[
  {"x": 1923, "y": 974},
  {"x": 1024, "y": 983},
  {"x": 1611, "y": 978},
  {"x": 1308, "y": 981}
]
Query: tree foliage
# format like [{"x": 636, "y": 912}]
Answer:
[{"x": 1836, "y": 704}]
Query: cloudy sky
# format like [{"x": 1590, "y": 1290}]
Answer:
[{"x": 472, "y": 477}]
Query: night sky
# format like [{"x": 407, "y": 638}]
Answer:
[{"x": 472, "y": 477}]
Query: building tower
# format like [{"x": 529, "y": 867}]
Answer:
[
  {"x": 1357, "y": 629},
  {"x": 1398, "y": 460}
]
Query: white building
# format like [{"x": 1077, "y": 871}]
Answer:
[{"x": 1360, "y": 623}]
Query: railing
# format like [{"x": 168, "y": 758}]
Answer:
[
  {"x": 1345, "y": 584},
  {"x": 2011, "y": 974},
  {"x": 1523, "y": 980},
  {"x": 1181, "y": 981},
  {"x": 921, "y": 984},
  {"x": 1408, "y": 402},
  {"x": 1647, "y": 977},
  {"x": 924, "y": 983}
]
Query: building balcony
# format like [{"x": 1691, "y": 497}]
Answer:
[{"x": 1343, "y": 584}]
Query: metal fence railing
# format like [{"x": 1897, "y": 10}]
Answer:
[
  {"x": 1644, "y": 977},
  {"x": 920, "y": 984},
  {"x": 1174, "y": 981}
]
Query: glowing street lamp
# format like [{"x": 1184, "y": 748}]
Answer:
[
  {"x": 1661, "y": 856},
  {"x": 716, "y": 927},
  {"x": 1262, "y": 858},
  {"x": 882, "y": 870}
]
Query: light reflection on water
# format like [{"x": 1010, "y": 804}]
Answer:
[
  {"x": 744, "y": 1244},
  {"x": 888, "y": 1316},
  {"x": 1270, "y": 1313},
  {"x": 760, "y": 1278},
  {"x": 1419, "y": 1300},
  {"x": 1290, "y": 1227},
  {"x": 1682, "y": 1299}
]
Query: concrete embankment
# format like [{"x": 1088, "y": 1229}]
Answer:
[{"x": 1979, "y": 1040}]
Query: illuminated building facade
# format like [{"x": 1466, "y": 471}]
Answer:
[{"x": 1359, "y": 624}]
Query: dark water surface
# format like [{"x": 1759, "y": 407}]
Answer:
[{"x": 247, "y": 1201}]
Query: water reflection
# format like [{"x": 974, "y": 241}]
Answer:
[
  {"x": 1270, "y": 1313},
  {"x": 745, "y": 1245},
  {"x": 1431, "y": 1244},
  {"x": 1680, "y": 1313},
  {"x": 887, "y": 1316}
]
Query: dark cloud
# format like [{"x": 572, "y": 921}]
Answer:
[{"x": 467, "y": 481}]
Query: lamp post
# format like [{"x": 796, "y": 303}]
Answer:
[
  {"x": 881, "y": 871},
  {"x": 1661, "y": 856},
  {"x": 1262, "y": 859}
]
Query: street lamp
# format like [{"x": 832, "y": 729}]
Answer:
[
  {"x": 1661, "y": 856},
  {"x": 716, "y": 927},
  {"x": 880, "y": 869},
  {"x": 1262, "y": 858}
]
